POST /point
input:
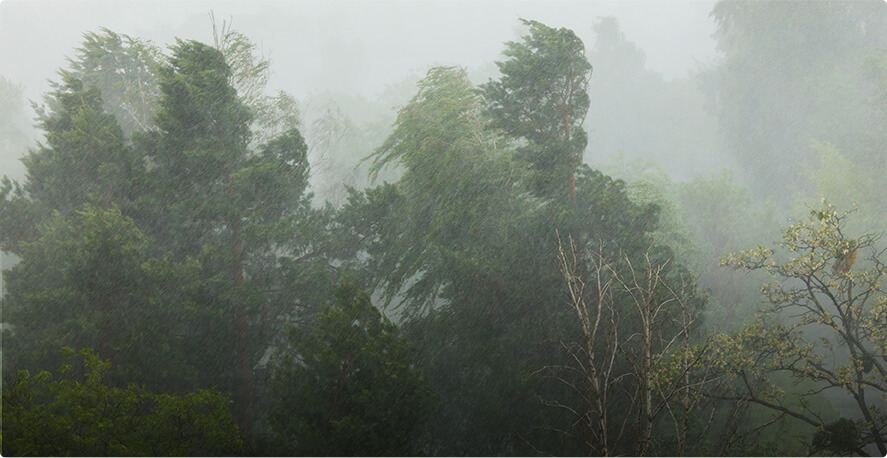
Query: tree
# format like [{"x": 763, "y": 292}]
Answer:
[
  {"x": 108, "y": 92},
  {"x": 124, "y": 71},
  {"x": 350, "y": 385},
  {"x": 441, "y": 142},
  {"x": 436, "y": 242},
  {"x": 16, "y": 135},
  {"x": 542, "y": 99},
  {"x": 71, "y": 415},
  {"x": 226, "y": 212},
  {"x": 463, "y": 246},
  {"x": 85, "y": 159},
  {"x": 249, "y": 73},
  {"x": 848, "y": 175},
  {"x": 817, "y": 290},
  {"x": 700, "y": 220},
  {"x": 778, "y": 86},
  {"x": 107, "y": 294},
  {"x": 215, "y": 199},
  {"x": 215, "y": 212},
  {"x": 631, "y": 374}
]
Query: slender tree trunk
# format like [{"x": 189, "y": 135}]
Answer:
[
  {"x": 243, "y": 377},
  {"x": 685, "y": 402},
  {"x": 647, "y": 387}
]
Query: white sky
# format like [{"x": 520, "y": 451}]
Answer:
[{"x": 349, "y": 46}]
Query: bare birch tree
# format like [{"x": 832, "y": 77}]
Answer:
[{"x": 638, "y": 363}]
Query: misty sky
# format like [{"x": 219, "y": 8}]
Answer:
[{"x": 349, "y": 46}]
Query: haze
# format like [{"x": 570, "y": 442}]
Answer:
[
  {"x": 346, "y": 46},
  {"x": 454, "y": 228}
]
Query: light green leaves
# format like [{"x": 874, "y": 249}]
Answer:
[{"x": 844, "y": 306}]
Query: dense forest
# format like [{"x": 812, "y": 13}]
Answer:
[{"x": 195, "y": 265}]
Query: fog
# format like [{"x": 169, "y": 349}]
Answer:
[
  {"x": 370, "y": 50},
  {"x": 596, "y": 227},
  {"x": 354, "y": 47}
]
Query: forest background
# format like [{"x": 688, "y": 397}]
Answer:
[{"x": 528, "y": 257}]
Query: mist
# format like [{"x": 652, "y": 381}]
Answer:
[
  {"x": 355, "y": 47},
  {"x": 445, "y": 227}
]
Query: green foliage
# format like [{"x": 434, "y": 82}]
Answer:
[
  {"x": 850, "y": 183},
  {"x": 273, "y": 117},
  {"x": 244, "y": 213},
  {"x": 440, "y": 127},
  {"x": 350, "y": 387},
  {"x": 454, "y": 175},
  {"x": 249, "y": 70},
  {"x": 700, "y": 221},
  {"x": 542, "y": 100},
  {"x": 849, "y": 173},
  {"x": 18, "y": 215},
  {"x": 844, "y": 307},
  {"x": 71, "y": 415},
  {"x": 178, "y": 229},
  {"x": 183, "y": 254},
  {"x": 249, "y": 73},
  {"x": 124, "y": 70},
  {"x": 85, "y": 159},
  {"x": 465, "y": 248},
  {"x": 107, "y": 294},
  {"x": 840, "y": 437},
  {"x": 202, "y": 129},
  {"x": 207, "y": 186}
]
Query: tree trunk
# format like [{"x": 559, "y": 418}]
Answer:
[{"x": 243, "y": 378}]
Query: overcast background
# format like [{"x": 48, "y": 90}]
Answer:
[{"x": 347, "y": 46}]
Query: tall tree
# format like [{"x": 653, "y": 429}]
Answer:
[
  {"x": 249, "y": 73},
  {"x": 232, "y": 210},
  {"x": 542, "y": 99},
  {"x": 455, "y": 171},
  {"x": 86, "y": 157},
  {"x": 466, "y": 249},
  {"x": 215, "y": 199}
]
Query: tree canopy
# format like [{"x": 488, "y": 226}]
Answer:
[
  {"x": 350, "y": 386},
  {"x": 472, "y": 287},
  {"x": 71, "y": 414}
]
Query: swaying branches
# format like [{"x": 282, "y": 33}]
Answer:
[{"x": 846, "y": 305}]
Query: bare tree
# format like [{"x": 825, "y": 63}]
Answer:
[
  {"x": 637, "y": 350},
  {"x": 595, "y": 357}
]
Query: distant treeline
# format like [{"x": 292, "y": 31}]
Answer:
[{"x": 471, "y": 286}]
